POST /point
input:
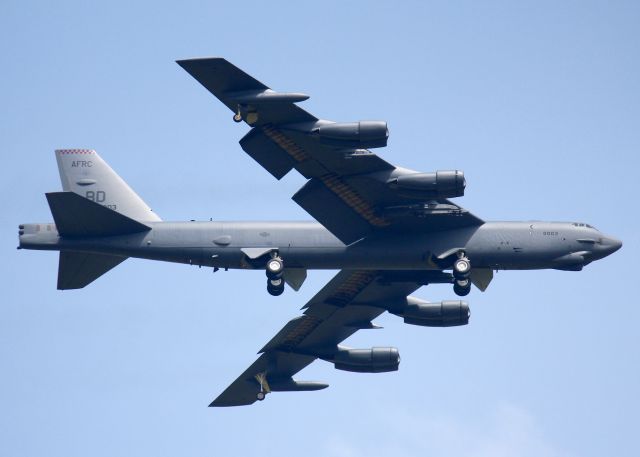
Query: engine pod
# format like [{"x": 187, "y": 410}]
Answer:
[
  {"x": 439, "y": 184},
  {"x": 447, "y": 313},
  {"x": 374, "y": 360},
  {"x": 348, "y": 135}
]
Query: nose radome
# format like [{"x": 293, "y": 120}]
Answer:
[{"x": 614, "y": 244}]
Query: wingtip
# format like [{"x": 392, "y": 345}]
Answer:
[
  {"x": 219, "y": 404},
  {"x": 216, "y": 403}
]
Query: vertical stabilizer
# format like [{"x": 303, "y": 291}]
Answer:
[{"x": 83, "y": 172}]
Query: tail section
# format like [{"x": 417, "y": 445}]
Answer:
[
  {"x": 96, "y": 202},
  {"x": 75, "y": 216},
  {"x": 83, "y": 171}
]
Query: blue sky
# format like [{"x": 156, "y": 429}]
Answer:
[{"x": 539, "y": 104}]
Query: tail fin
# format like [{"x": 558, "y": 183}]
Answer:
[{"x": 83, "y": 171}]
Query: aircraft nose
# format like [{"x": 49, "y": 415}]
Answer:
[
  {"x": 613, "y": 244},
  {"x": 607, "y": 246}
]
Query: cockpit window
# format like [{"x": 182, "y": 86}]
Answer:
[{"x": 582, "y": 224}]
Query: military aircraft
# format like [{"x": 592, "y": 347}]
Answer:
[{"x": 389, "y": 230}]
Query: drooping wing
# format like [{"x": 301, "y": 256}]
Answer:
[
  {"x": 348, "y": 189},
  {"x": 349, "y": 302}
]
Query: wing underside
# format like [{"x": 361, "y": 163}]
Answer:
[
  {"x": 353, "y": 193},
  {"x": 349, "y": 302},
  {"x": 348, "y": 188}
]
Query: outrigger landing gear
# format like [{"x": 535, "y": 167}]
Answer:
[
  {"x": 238, "y": 116},
  {"x": 274, "y": 271},
  {"x": 264, "y": 386}
]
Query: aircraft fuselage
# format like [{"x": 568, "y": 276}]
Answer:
[{"x": 494, "y": 245}]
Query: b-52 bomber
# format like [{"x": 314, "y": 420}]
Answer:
[{"x": 389, "y": 230}]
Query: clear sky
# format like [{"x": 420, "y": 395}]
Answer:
[{"x": 538, "y": 102}]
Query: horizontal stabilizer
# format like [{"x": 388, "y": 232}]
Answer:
[
  {"x": 76, "y": 269},
  {"x": 76, "y": 216}
]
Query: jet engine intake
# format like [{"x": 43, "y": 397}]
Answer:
[
  {"x": 447, "y": 313},
  {"x": 362, "y": 134},
  {"x": 374, "y": 360},
  {"x": 439, "y": 184}
]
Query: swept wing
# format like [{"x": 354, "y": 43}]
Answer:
[
  {"x": 350, "y": 190},
  {"x": 349, "y": 302}
]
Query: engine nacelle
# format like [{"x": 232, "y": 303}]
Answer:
[
  {"x": 447, "y": 313},
  {"x": 363, "y": 134},
  {"x": 441, "y": 184},
  {"x": 374, "y": 360}
]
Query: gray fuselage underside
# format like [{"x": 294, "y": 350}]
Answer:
[{"x": 496, "y": 245}]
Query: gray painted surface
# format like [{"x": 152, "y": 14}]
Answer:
[
  {"x": 388, "y": 229},
  {"x": 496, "y": 245}
]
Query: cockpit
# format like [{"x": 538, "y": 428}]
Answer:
[{"x": 582, "y": 224}]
